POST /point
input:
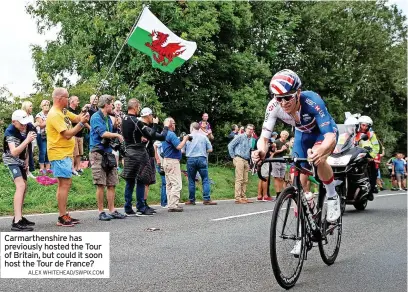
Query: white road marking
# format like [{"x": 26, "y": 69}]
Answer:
[{"x": 267, "y": 211}]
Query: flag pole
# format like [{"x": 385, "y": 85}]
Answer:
[{"x": 124, "y": 43}]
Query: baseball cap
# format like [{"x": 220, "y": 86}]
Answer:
[
  {"x": 145, "y": 112},
  {"x": 274, "y": 133},
  {"x": 20, "y": 116}
]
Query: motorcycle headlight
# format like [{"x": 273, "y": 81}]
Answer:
[{"x": 339, "y": 161}]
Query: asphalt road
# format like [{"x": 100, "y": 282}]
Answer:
[{"x": 194, "y": 252}]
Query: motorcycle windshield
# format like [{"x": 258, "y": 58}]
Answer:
[{"x": 345, "y": 140}]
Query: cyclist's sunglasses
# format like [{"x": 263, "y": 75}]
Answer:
[{"x": 285, "y": 97}]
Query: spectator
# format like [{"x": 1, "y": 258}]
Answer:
[
  {"x": 394, "y": 183},
  {"x": 239, "y": 150},
  {"x": 149, "y": 124},
  {"x": 399, "y": 170},
  {"x": 79, "y": 140},
  {"x": 27, "y": 106},
  {"x": 234, "y": 132},
  {"x": 138, "y": 166},
  {"x": 158, "y": 150},
  {"x": 60, "y": 147},
  {"x": 104, "y": 168},
  {"x": 117, "y": 117},
  {"x": 93, "y": 105},
  {"x": 171, "y": 164},
  {"x": 41, "y": 119},
  {"x": 205, "y": 127},
  {"x": 16, "y": 159},
  {"x": 196, "y": 152},
  {"x": 265, "y": 173},
  {"x": 241, "y": 130},
  {"x": 273, "y": 137},
  {"x": 279, "y": 169},
  {"x": 377, "y": 161}
]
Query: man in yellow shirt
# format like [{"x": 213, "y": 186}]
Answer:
[{"x": 60, "y": 147}]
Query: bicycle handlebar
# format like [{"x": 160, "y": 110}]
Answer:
[{"x": 284, "y": 159}]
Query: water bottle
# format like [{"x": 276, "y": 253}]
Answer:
[{"x": 310, "y": 201}]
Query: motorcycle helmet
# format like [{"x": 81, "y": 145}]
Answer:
[
  {"x": 365, "y": 120},
  {"x": 285, "y": 81}
]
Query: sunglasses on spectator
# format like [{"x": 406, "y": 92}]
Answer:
[{"x": 285, "y": 97}]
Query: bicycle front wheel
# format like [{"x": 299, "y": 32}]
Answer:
[
  {"x": 329, "y": 245},
  {"x": 287, "y": 245}
]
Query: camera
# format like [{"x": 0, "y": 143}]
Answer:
[
  {"x": 85, "y": 109},
  {"x": 161, "y": 172},
  {"x": 183, "y": 134},
  {"x": 114, "y": 144}
]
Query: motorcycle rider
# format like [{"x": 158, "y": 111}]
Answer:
[
  {"x": 365, "y": 124},
  {"x": 315, "y": 136}
]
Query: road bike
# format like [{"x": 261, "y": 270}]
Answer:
[{"x": 296, "y": 222}]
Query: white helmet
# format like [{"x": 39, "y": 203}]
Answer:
[{"x": 365, "y": 120}]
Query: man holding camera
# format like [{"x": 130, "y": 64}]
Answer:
[
  {"x": 103, "y": 162},
  {"x": 60, "y": 147},
  {"x": 172, "y": 154},
  {"x": 197, "y": 149}
]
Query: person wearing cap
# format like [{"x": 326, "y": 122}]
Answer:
[
  {"x": 234, "y": 132},
  {"x": 15, "y": 157},
  {"x": 60, "y": 148},
  {"x": 104, "y": 171},
  {"x": 274, "y": 136},
  {"x": 139, "y": 135}
]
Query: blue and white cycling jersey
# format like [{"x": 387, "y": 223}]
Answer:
[{"x": 315, "y": 122}]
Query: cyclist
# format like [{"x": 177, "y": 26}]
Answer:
[
  {"x": 365, "y": 124},
  {"x": 316, "y": 132}
]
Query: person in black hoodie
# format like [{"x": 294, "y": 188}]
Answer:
[{"x": 139, "y": 135}]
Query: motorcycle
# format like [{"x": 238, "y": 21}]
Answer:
[{"x": 349, "y": 163}]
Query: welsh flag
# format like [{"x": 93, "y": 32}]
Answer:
[{"x": 153, "y": 38}]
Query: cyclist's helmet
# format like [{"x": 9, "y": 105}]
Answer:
[
  {"x": 285, "y": 81},
  {"x": 365, "y": 120}
]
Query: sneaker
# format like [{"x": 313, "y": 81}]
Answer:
[
  {"x": 297, "y": 248},
  {"x": 267, "y": 199},
  {"x": 26, "y": 221},
  {"x": 209, "y": 202},
  {"x": 241, "y": 201},
  {"x": 152, "y": 209},
  {"x": 80, "y": 171},
  {"x": 177, "y": 209},
  {"x": 394, "y": 189},
  {"x": 74, "y": 172},
  {"x": 190, "y": 203},
  {"x": 146, "y": 212},
  {"x": 259, "y": 199},
  {"x": 116, "y": 215},
  {"x": 64, "y": 221},
  {"x": 73, "y": 220},
  {"x": 104, "y": 217},
  {"x": 30, "y": 175},
  {"x": 165, "y": 207},
  {"x": 20, "y": 226},
  {"x": 333, "y": 209},
  {"x": 130, "y": 213}
]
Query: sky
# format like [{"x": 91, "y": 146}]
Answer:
[{"x": 18, "y": 31}]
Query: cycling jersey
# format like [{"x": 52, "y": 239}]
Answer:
[{"x": 315, "y": 122}]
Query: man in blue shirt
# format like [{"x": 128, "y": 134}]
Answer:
[
  {"x": 240, "y": 149},
  {"x": 171, "y": 164},
  {"x": 104, "y": 175},
  {"x": 196, "y": 152}
]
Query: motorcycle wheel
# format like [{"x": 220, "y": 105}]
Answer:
[{"x": 361, "y": 205}]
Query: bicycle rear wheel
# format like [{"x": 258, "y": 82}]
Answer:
[
  {"x": 287, "y": 229},
  {"x": 329, "y": 245}
]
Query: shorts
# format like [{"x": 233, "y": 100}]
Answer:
[
  {"x": 62, "y": 168},
  {"x": 304, "y": 141},
  {"x": 391, "y": 175},
  {"x": 379, "y": 174},
  {"x": 17, "y": 171},
  {"x": 99, "y": 175},
  {"x": 265, "y": 170},
  {"x": 79, "y": 146},
  {"x": 278, "y": 169},
  {"x": 399, "y": 176}
]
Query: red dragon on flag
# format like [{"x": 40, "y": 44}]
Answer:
[{"x": 160, "y": 52}]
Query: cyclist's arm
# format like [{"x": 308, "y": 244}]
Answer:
[{"x": 267, "y": 127}]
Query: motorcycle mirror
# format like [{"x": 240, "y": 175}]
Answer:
[{"x": 364, "y": 137}]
